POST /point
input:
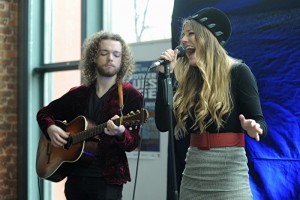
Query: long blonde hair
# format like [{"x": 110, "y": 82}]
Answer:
[{"x": 203, "y": 91}]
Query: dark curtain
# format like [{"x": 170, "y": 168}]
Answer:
[{"x": 266, "y": 35}]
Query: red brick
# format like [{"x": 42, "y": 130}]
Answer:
[{"x": 8, "y": 98}]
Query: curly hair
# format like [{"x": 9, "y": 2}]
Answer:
[
  {"x": 91, "y": 48},
  {"x": 207, "y": 99}
]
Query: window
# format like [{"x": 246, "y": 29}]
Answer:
[
  {"x": 62, "y": 43},
  {"x": 62, "y": 31},
  {"x": 139, "y": 20}
]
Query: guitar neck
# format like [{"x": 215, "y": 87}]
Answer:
[{"x": 132, "y": 119}]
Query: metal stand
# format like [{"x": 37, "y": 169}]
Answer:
[{"x": 168, "y": 98}]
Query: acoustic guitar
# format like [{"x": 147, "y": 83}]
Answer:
[{"x": 54, "y": 163}]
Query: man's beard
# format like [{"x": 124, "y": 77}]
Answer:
[{"x": 107, "y": 73}]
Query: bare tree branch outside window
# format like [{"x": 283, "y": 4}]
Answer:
[{"x": 139, "y": 18}]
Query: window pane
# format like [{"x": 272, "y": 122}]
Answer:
[
  {"x": 152, "y": 22},
  {"x": 58, "y": 83},
  {"x": 62, "y": 30}
]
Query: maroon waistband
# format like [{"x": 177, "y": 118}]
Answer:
[{"x": 205, "y": 141}]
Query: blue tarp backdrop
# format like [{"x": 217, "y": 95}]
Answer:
[{"x": 266, "y": 35}]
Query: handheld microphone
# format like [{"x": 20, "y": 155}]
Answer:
[{"x": 181, "y": 52}]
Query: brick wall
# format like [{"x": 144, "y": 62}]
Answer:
[{"x": 8, "y": 98}]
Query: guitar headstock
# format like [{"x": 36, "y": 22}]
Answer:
[{"x": 133, "y": 118}]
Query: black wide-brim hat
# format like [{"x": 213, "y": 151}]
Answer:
[{"x": 215, "y": 21}]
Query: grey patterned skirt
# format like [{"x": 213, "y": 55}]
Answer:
[{"x": 218, "y": 173}]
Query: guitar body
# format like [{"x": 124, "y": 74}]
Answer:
[{"x": 52, "y": 163}]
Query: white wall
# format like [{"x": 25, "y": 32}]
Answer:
[{"x": 151, "y": 181}]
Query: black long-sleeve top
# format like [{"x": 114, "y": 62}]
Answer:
[{"x": 245, "y": 99}]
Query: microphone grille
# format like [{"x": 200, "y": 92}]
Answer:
[{"x": 181, "y": 51}]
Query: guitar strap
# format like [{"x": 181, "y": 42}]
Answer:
[{"x": 121, "y": 104}]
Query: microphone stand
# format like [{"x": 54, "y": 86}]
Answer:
[{"x": 168, "y": 99}]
